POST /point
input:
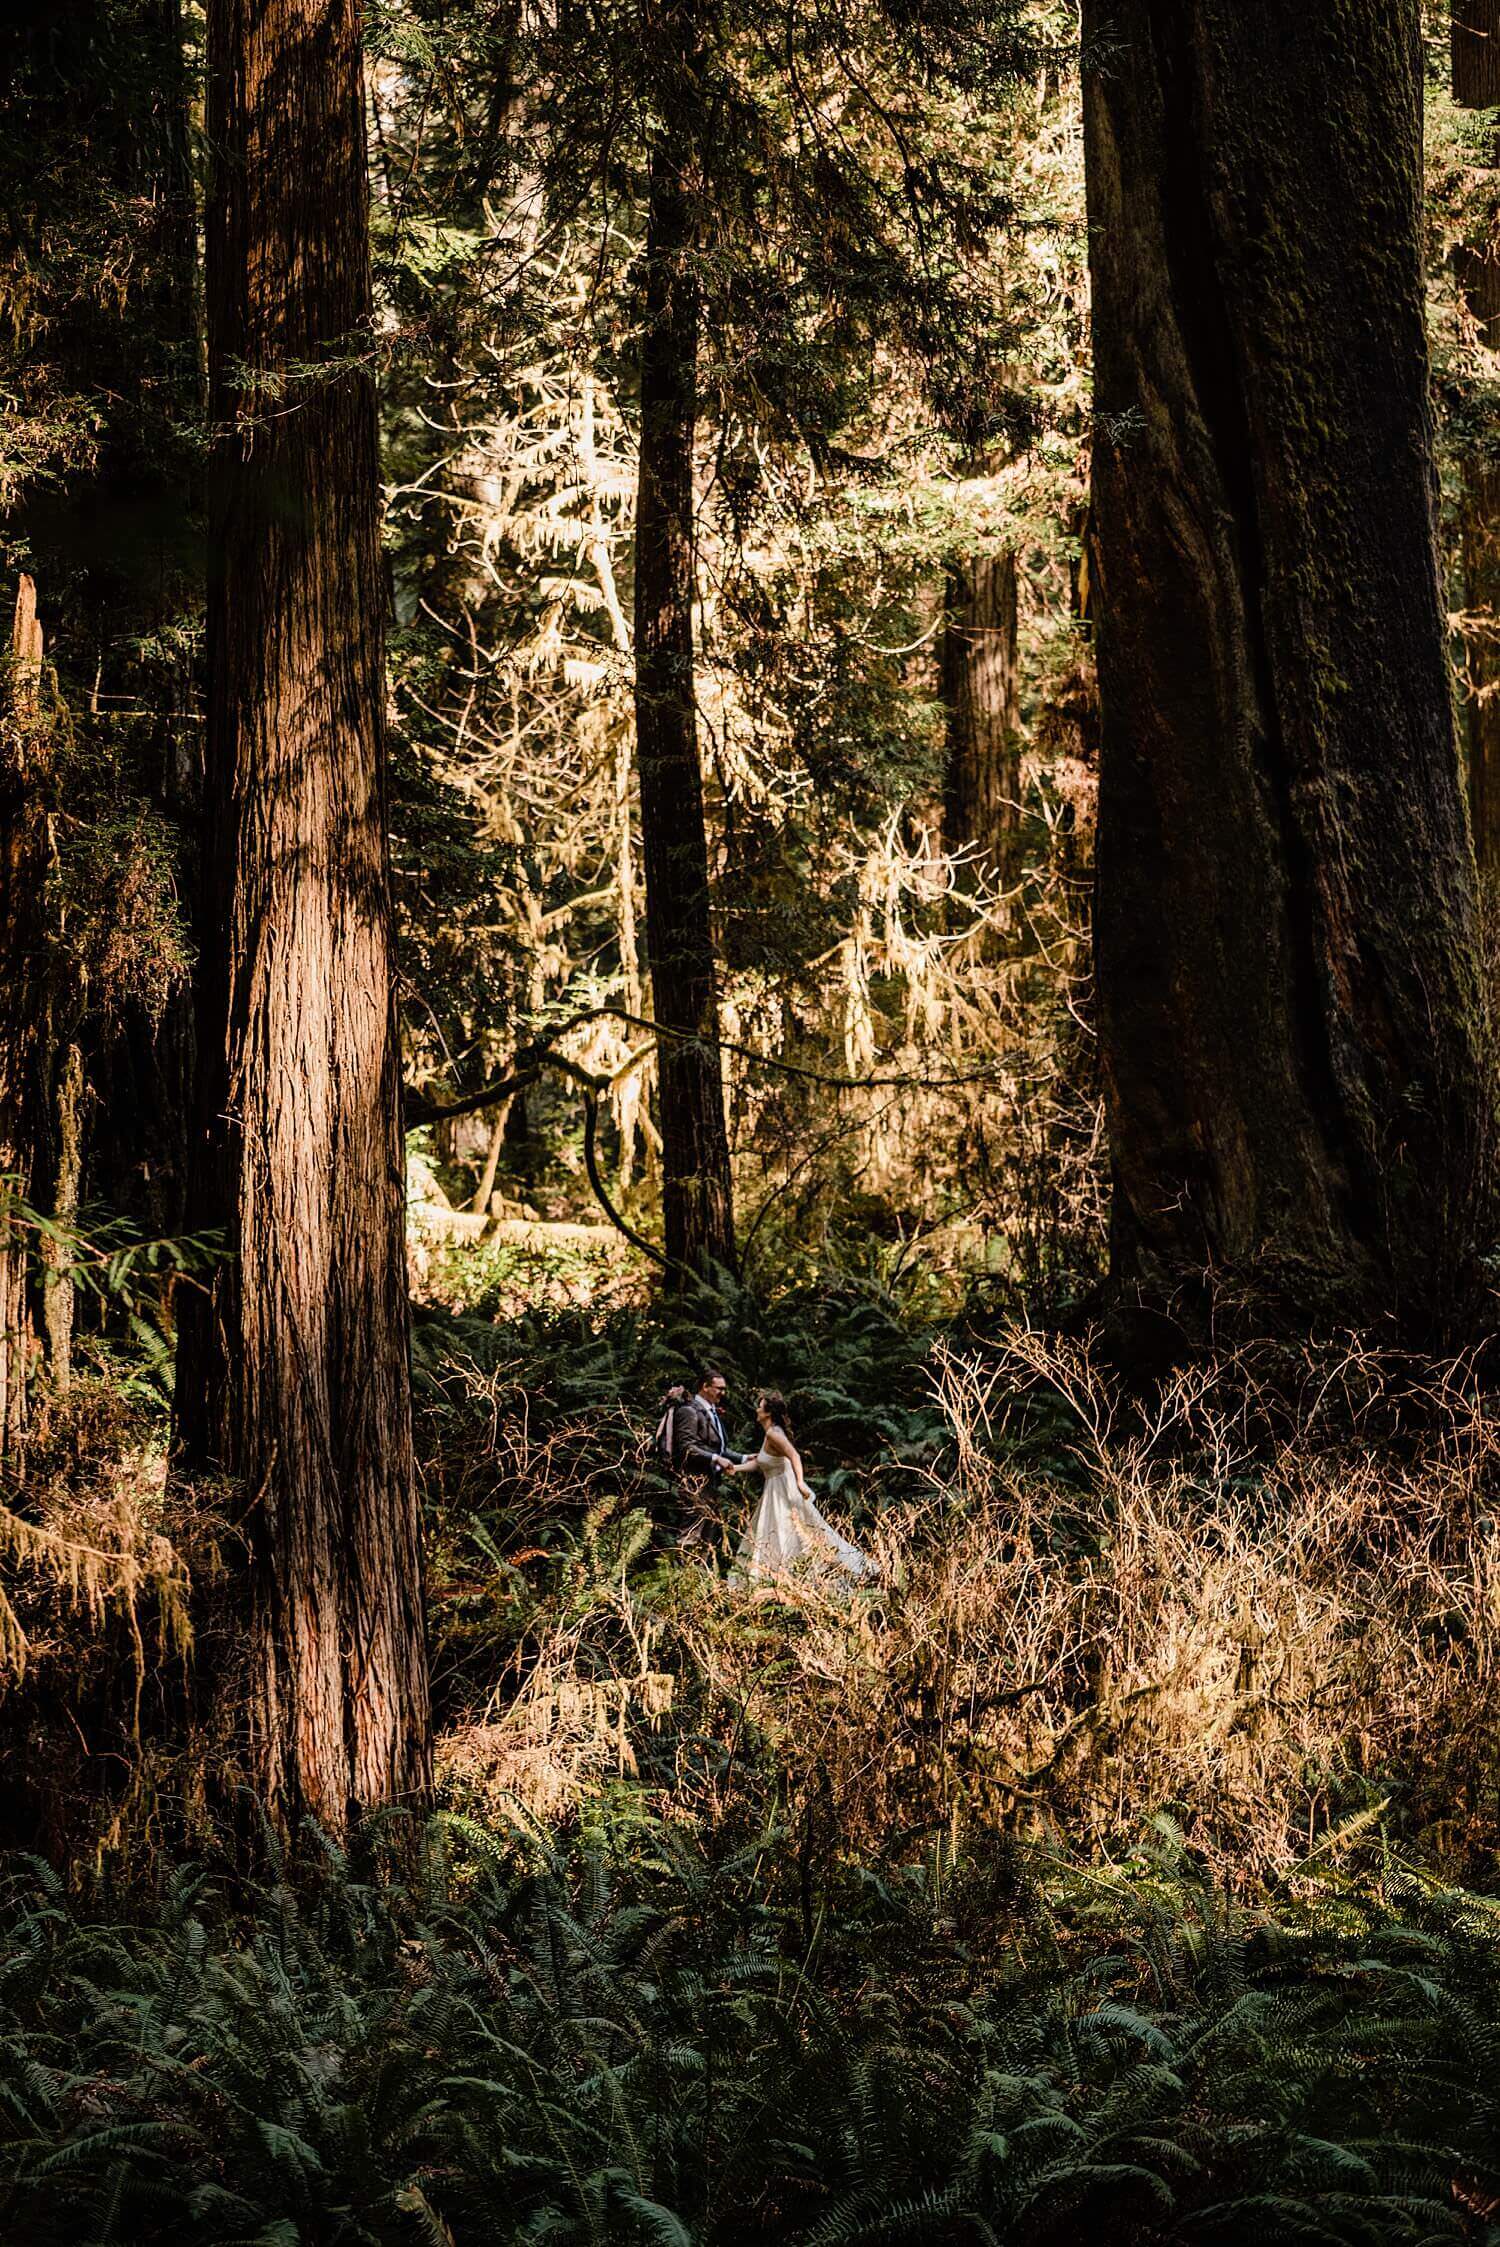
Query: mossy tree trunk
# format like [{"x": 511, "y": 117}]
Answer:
[
  {"x": 69, "y": 1092},
  {"x": 25, "y": 756},
  {"x": 293, "y": 1372},
  {"x": 697, "y": 1188},
  {"x": 1476, "y": 85},
  {"x": 981, "y": 680},
  {"x": 1290, "y": 1005}
]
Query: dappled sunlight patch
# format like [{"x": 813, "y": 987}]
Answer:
[
  {"x": 519, "y": 1265},
  {"x": 560, "y": 1739},
  {"x": 506, "y": 1258}
]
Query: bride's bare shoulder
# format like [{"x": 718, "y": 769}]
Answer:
[{"x": 778, "y": 1441}]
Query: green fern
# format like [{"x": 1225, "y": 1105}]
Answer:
[{"x": 643, "y": 2052}]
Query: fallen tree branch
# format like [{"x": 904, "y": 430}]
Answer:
[{"x": 769, "y": 1061}]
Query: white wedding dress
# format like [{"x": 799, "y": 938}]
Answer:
[{"x": 787, "y": 1534}]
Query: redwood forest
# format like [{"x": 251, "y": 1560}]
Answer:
[{"x": 749, "y": 1123}]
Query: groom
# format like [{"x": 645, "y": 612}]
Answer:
[{"x": 701, "y": 1449}]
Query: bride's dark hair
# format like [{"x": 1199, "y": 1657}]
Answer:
[{"x": 776, "y": 1407}]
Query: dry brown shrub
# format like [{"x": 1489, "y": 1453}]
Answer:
[
  {"x": 1287, "y": 1642},
  {"x": 1282, "y": 1646},
  {"x": 537, "y": 1759}
]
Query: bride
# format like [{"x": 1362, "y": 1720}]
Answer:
[{"x": 786, "y": 1530}]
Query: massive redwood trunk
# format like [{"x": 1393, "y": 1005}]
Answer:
[
  {"x": 1476, "y": 85},
  {"x": 697, "y": 1191},
  {"x": 294, "y": 1373},
  {"x": 981, "y": 682},
  {"x": 1289, "y": 1000}
]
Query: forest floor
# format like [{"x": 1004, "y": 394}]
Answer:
[{"x": 1117, "y": 1869}]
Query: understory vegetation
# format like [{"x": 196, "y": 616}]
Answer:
[
  {"x": 1273, "y": 1615},
  {"x": 643, "y": 2039},
  {"x": 1117, "y": 1862}
]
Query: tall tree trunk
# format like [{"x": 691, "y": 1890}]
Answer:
[
  {"x": 981, "y": 684},
  {"x": 480, "y": 1204},
  {"x": 24, "y": 760},
  {"x": 294, "y": 1374},
  {"x": 65, "y": 1138},
  {"x": 1291, "y": 1012},
  {"x": 1476, "y": 85},
  {"x": 697, "y": 1190}
]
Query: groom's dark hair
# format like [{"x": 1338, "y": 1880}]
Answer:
[{"x": 708, "y": 1373}]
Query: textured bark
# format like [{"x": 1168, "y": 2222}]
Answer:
[
  {"x": 1290, "y": 1005},
  {"x": 1475, "y": 43},
  {"x": 66, "y": 1149},
  {"x": 482, "y": 1192},
  {"x": 294, "y": 1374},
  {"x": 24, "y": 763},
  {"x": 697, "y": 1191},
  {"x": 1476, "y": 85},
  {"x": 980, "y": 694}
]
